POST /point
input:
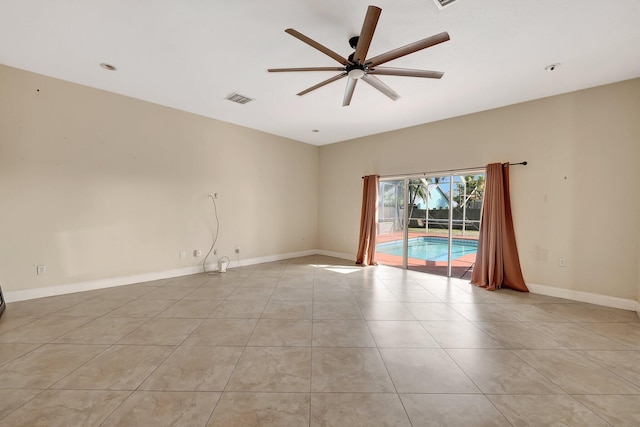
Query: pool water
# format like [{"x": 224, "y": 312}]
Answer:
[{"x": 430, "y": 248}]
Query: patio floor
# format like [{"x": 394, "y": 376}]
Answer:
[{"x": 460, "y": 267}]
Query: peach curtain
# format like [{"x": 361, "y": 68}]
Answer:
[
  {"x": 368, "y": 222},
  {"x": 497, "y": 263}
]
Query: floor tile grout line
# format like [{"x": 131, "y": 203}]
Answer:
[
  {"x": 572, "y": 397},
  {"x": 81, "y": 365},
  {"x": 395, "y": 387},
  {"x": 484, "y": 394},
  {"x": 512, "y": 351},
  {"x": 581, "y": 353},
  {"x": 497, "y": 409},
  {"x": 360, "y": 307},
  {"x": 117, "y": 407},
  {"x": 40, "y": 391},
  {"x": 38, "y": 345}
]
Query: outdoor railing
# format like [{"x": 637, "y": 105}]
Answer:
[{"x": 458, "y": 224}]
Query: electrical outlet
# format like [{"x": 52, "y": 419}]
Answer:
[
  {"x": 237, "y": 250},
  {"x": 562, "y": 262},
  {"x": 197, "y": 252},
  {"x": 41, "y": 269},
  {"x": 182, "y": 254}
]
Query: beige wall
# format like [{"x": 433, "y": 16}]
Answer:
[
  {"x": 96, "y": 185},
  {"x": 578, "y": 198}
]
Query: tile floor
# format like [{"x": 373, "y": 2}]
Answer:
[{"x": 316, "y": 341}]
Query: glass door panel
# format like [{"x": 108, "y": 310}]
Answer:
[
  {"x": 468, "y": 193},
  {"x": 428, "y": 237},
  {"x": 391, "y": 223}
]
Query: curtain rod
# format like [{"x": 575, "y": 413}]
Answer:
[{"x": 446, "y": 171}]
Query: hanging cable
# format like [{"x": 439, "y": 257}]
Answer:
[{"x": 213, "y": 244}]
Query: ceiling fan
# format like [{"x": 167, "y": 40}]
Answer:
[{"x": 357, "y": 67}]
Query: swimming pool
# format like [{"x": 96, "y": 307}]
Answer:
[{"x": 430, "y": 248}]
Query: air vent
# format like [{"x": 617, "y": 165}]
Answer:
[
  {"x": 239, "y": 99},
  {"x": 444, "y": 3}
]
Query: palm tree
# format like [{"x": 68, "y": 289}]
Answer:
[
  {"x": 417, "y": 191},
  {"x": 471, "y": 189}
]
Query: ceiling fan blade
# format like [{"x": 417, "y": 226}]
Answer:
[
  {"x": 314, "y": 44},
  {"x": 284, "y": 70},
  {"x": 407, "y": 72},
  {"x": 348, "y": 93},
  {"x": 326, "y": 82},
  {"x": 406, "y": 50},
  {"x": 378, "y": 84},
  {"x": 366, "y": 34}
]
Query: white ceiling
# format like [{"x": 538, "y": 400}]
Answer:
[{"x": 191, "y": 54}]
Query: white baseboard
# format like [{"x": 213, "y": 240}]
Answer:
[
  {"x": 271, "y": 258},
  {"x": 348, "y": 257},
  {"x": 26, "y": 294},
  {"x": 604, "y": 300}
]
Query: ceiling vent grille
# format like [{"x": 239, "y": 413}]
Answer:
[
  {"x": 239, "y": 99},
  {"x": 444, "y": 3}
]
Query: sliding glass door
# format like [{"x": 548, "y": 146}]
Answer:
[
  {"x": 430, "y": 223},
  {"x": 391, "y": 223}
]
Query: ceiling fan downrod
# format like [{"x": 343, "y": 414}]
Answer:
[{"x": 355, "y": 70}]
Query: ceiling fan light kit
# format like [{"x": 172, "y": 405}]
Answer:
[
  {"x": 356, "y": 73},
  {"x": 357, "y": 67}
]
